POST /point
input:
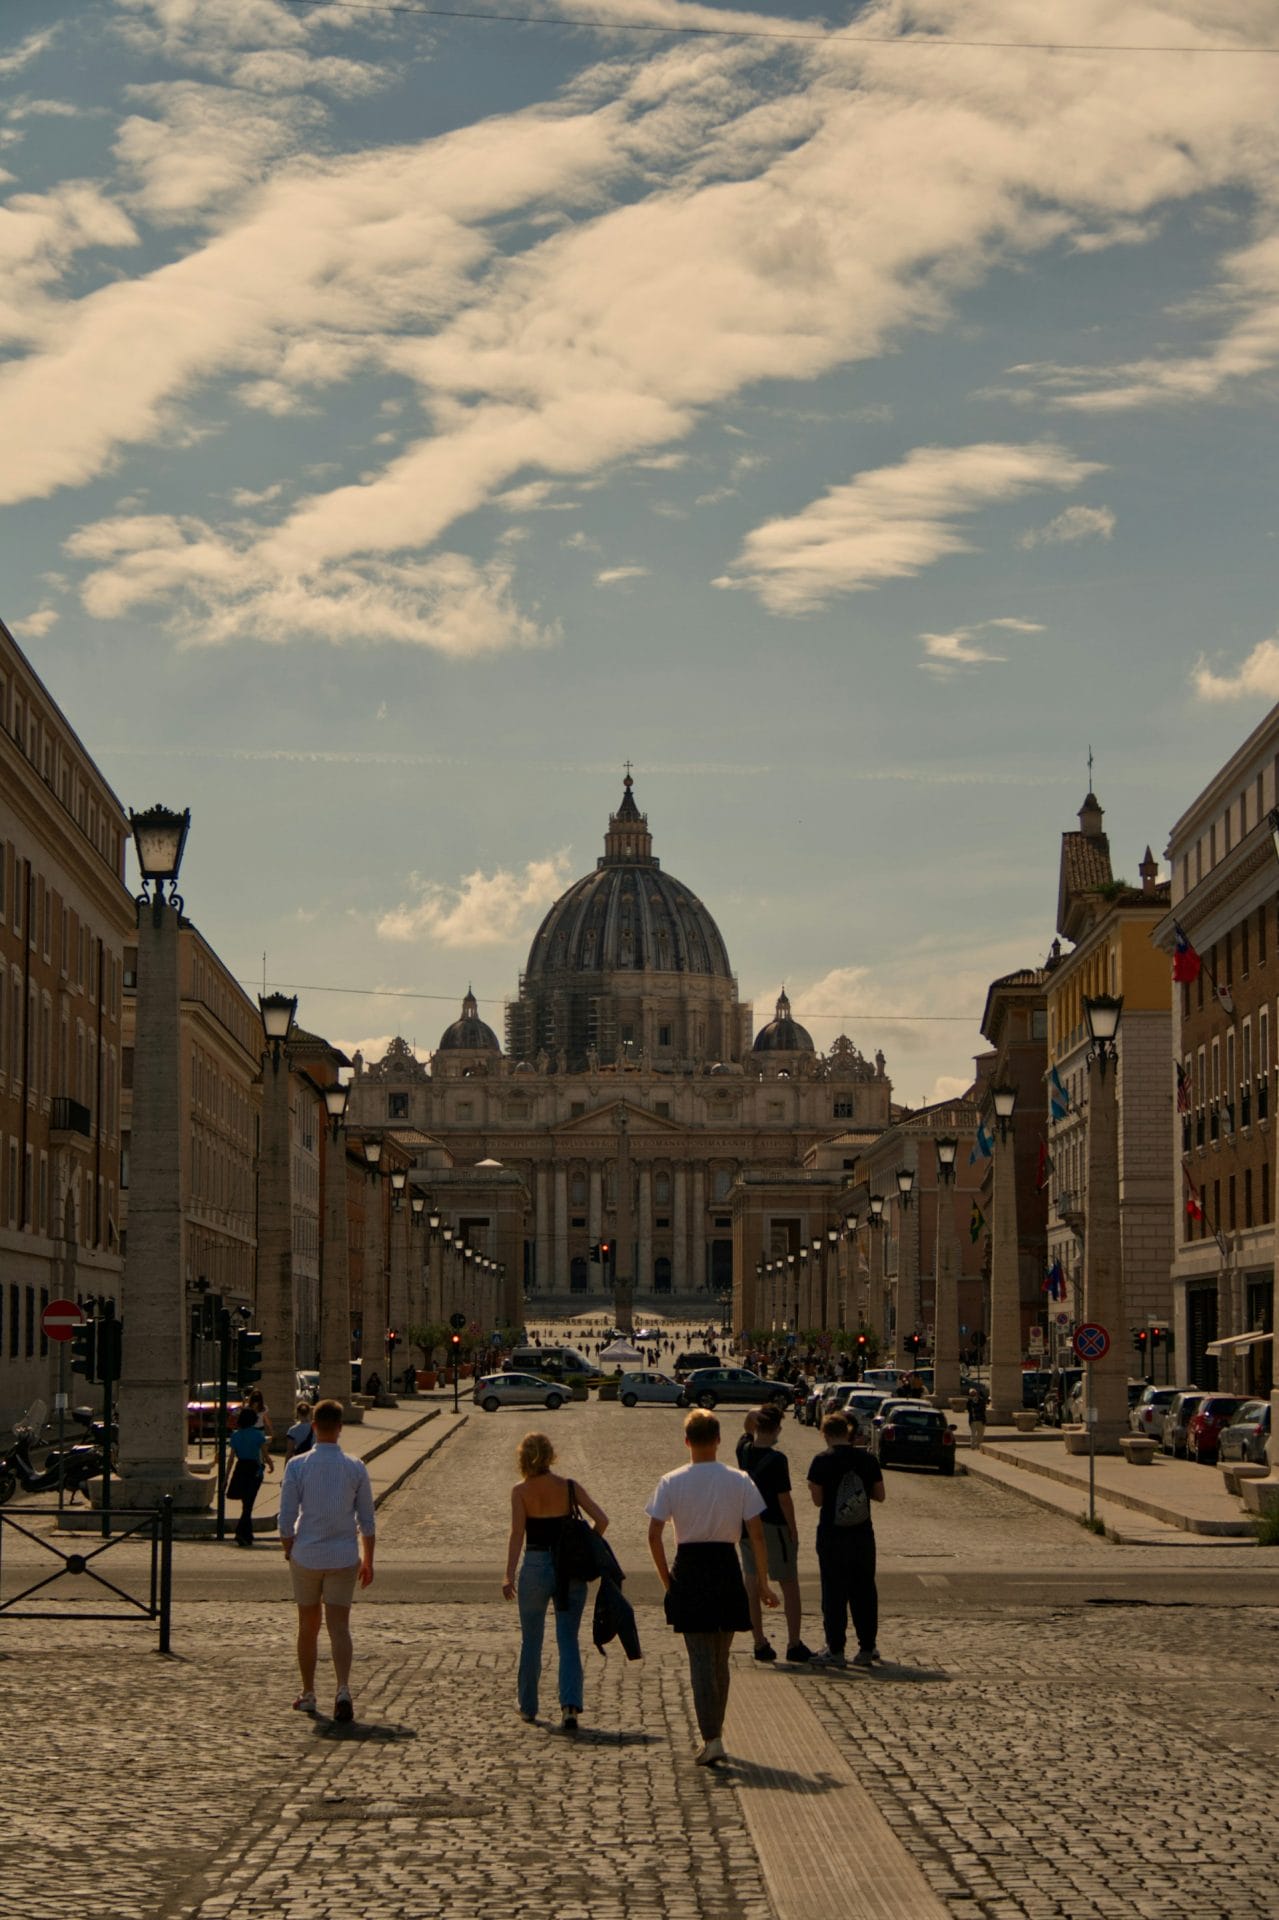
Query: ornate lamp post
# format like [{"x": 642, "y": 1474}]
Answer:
[
  {"x": 335, "y": 1276},
  {"x": 877, "y": 1295},
  {"x": 153, "y": 1389},
  {"x": 1103, "y": 1252},
  {"x": 946, "y": 1295},
  {"x": 907, "y": 1320},
  {"x": 275, "y": 1305},
  {"x": 1005, "y": 1279},
  {"x": 850, "y": 1286},
  {"x": 830, "y": 1278}
]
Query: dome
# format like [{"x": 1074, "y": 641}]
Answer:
[
  {"x": 782, "y": 1034},
  {"x": 469, "y": 1034},
  {"x": 628, "y": 916}
]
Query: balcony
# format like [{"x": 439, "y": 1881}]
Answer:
[{"x": 70, "y": 1124}]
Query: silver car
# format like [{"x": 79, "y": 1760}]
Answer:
[
  {"x": 650, "y": 1390},
  {"x": 1247, "y": 1433},
  {"x": 1177, "y": 1419},
  {"x": 496, "y": 1390},
  {"x": 1147, "y": 1418}
]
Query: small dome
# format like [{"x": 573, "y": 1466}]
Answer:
[
  {"x": 469, "y": 1034},
  {"x": 782, "y": 1034}
]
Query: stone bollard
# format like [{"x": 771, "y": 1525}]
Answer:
[{"x": 1137, "y": 1451}]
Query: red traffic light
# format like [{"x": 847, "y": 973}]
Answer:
[{"x": 455, "y": 1339}]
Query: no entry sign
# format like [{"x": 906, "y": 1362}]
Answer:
[
  {"x": 1091, "y": 1341},
  {"x": 60, "y": 1319}
]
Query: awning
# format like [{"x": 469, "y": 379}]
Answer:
[{"x": 1237, "y": 1342}]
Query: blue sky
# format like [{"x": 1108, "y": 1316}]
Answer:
[{"x": 409, "y": 420}]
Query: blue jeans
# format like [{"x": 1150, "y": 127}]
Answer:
[{"x": 535, "y": 1592}]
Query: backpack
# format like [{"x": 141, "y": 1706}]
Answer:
[{"x": 852, "y": 1502}]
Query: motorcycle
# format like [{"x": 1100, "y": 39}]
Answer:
[{"x": 73, "y": 1467}]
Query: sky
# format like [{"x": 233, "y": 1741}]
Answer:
[{"x": 852, "y": 420}]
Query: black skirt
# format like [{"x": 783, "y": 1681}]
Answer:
[
  {"x": 706, "y": 1594},
  {"x": 246, "y": 1478}
]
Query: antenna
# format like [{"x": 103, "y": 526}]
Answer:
[{"x": 1090, "y": 766}]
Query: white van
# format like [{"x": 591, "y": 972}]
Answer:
[{"x": 554, "y": 1363}]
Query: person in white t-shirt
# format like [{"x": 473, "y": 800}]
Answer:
[{"x": 708, "y": 1504}]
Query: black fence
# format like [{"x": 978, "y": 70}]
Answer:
[{"x": 155, "y": 1524}]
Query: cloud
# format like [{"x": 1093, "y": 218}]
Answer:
[
  {"x": 945, "y": 653},
  {"x": 200, "y": 146},
  {"x": 1073, "y": 523},
  {"x": 484, "y": 910},
  {"x": 890, "y": 522},
  {"x": 34, "y": 626},
  {"x": 1256, "y": 678},
  {"x": 613, "y": 576}
]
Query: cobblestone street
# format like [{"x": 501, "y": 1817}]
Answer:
[{"x": 1008, "y": 1746}]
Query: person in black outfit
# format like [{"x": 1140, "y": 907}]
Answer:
[
  {"x": 770, "y": 1470},
  {"x": 845, "y": 1555}
]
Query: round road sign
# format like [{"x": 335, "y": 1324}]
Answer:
[
  {"x": 60, "y": 1319},
  {"x": 1091, "y": 1341}
]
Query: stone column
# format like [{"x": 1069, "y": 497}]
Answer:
[
  {"x": 1005, "y": 1287},
  {"x": 335, "y": 1275},
  {"x": 398, "y": 1283},
  {"x": 1107, "y": 1379},
  {"x": 624, "y": 1231},
  {"x": 946, "y": 1301},
  {"x": 644, "y": 1238},
  {"x": 876, "y": 1294},
  {"x": 559, "y": 1262},
  {"x": 679, "y": 1229},
  {"x": 543, "y": 1262},
  {"x": 274, "y": 1304},
  {"x": 595, "y": 1206},
  {"x": 697, "y": 1232},
  {"x": 435, "y": 1314},
  {"x": 153, "y": 1383}
]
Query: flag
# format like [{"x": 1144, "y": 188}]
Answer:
[
  {"x": 983, "y": 1147},
  {"x": 1045, "y": 1166},
  {"x": 976, "y": 1224},
  {"x": 1058, "y": 1098},
  {"x": 1193, "y": 1205},
  {"x": 1183, "y": 1089},
  {"x": 1227, "y": 1004},
  {"x": 1055, "y": 1282},
  {"x": 1185, "y": 961}
]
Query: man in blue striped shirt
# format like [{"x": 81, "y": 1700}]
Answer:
[{"x": 327, "y": 1531}]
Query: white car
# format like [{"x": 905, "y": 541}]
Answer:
[
  {"x": 650, "y": 1390},
  {"x": 496, "y": 1390},
  {"x": 1147, "y": 1418}
]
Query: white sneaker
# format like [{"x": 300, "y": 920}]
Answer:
[
  {"x": 711, "y": 1754},
  {"x": 828, "y": 1659}
]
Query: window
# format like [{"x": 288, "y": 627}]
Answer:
[
  {"x": 577, "y": 1220},
  {"x": 842, "y": 1109},
  {"x": 1039, "y": 1023},
  {"x": 1247, "y": 1196},
  {"x": 1244, "y": 946},
  {"x": 1231, "y": 1221},
  {"x": 576, "y": 1107},
  {"x": 14, "y": 1298},
  {"x": 1265, "y": 1194},
  {"x": 1261, "y": 936},
  {"x": 1245, "y": 1081},
  {"x": 1228, "y": 1090},
  {"x": 29, "y": 1330},
  {"x": 662, "y": 1108},
  {"x": 397, "y": 1106},
  {"x": 663, "y": 1036},
  {"x": 723, "y": 1220}
]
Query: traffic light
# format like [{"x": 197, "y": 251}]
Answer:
[
  {"x": 595, "y": 1253},
  {"x": 1158, "y": 1335},
  {"x": 84, "y": 1349},
  {"x": 392, "y": 1341},
  {"x": 913, "y": 1343},
  {"x": 455, "y": 1344},
  {"x": 606, "y": 1247},
  {"x": 1139, "y": 1339},
  {"x": 248, "y": 1358},
  {"x": 110, "y": 1347}
]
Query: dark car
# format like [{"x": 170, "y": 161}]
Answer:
[
  {"x": 1178, "y": 1417},
  {"x": 707, "y": 1386},
  {"x": 1203, "y": 1434},
  {"x": 686, "y": 1363},
  {"x": 912, "y": 1435}
]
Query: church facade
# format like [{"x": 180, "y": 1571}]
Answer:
[{"x": 630, "y": 1099}]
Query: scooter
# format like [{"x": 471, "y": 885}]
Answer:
[{"x": 74, "y": 1467}]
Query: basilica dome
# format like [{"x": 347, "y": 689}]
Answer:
[
  {"x": 469, "y": 1034},
  {"x": 627, "y": 965},
  {"x": 782, "y": 1034}
]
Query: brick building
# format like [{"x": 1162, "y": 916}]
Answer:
[
  {"x": 1015, "y": 1021},
  {"x": 64, "y": 917}
]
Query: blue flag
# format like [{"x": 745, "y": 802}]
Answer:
[
  {"x": 1058, "y": 1098},
  {"x": 983, "y": 1145}
]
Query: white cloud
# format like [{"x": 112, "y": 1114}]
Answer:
[
  {"x": 613, "y": 576},
  {"x": 1256, "y": 678},
  {"x": 484, "y": 910},
  {"x": 34, "y": 626},
  {"x": 1074, "y": 523},
  {"x": 945, "y": 653},
  {"x": 200, "y": 146},
  {"x": 28, "y": 50},
  {"x": 890, "y": 522}
]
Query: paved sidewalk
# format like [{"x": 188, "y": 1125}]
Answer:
[{"x": 1169, "y": 1502}]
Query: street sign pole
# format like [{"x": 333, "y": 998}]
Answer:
[
  {"x": 1091, "y": 1343},
  {"x": 62, "y": 1422}
]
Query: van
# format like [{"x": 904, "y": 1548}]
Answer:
[{"x": 554, "y": 1363}]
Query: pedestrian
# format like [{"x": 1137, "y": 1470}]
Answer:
[
  {"x": 769, "y": 1468},
  {"x": 374, "y": 1387},
  {"x": 843, "y": 1482},
  {"x": 250, "y": 1462},
  {"x": 327, "y": 1530},
  {"x": 746, "y": 1438},
  {"x": 301, "y": 1435},
  {"x": 978, "y": 1401},
  {"x": 708, "y": 1504},
  {"x": 253, "y": 1399},
  {"x": 541, "y": 1502}
]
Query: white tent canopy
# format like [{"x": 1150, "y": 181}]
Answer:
[{"x": 620, "y": 1350}]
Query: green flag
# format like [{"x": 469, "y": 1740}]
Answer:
[{"x": 976, "y": 1224}]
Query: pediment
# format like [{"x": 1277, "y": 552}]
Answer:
[{"x": 640, "y": 1123}]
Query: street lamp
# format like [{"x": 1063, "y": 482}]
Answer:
[
  {"x": 372, "y": 1152},
  {"x": 153, "y": 1387},
  {"x": 275, "y": 1301},
  {"x": 947, "y": 1149},
  {"x": 278, "y": 1011},
  {"x": 399, "y": 1180},
  {"x": 876, "y": 1204},
  {"x": 905, "y": 1184},
  {"x": 946, "y": 1279},
  {"x": 1102, "y": 1014},
  {"x": 1005, "y": 1269},
  {"x": 1107, "y": 1378},
  {"x": 335, "y": 1099},
  {"x": 335, "y": 1275},
  {"x": 1005, "y": 1100}
]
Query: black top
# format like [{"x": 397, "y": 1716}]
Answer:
[
  {"x": 542, "y": 1531},
  {"x": 770, "y": 1470},
  {"x": 826, "y": 1472}
]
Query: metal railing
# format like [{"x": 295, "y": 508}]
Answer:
[{"x": 157, "y": 1523}]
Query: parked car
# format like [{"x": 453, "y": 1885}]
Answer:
[
  {"x": 911, "y": 1434},
  {"x": 1177, "y": 1419},
  {"x": 686, "y": 1363},
  {"x": 883, "y": 1377},
  {"x": 1147, "y": 1417},
  {"x": 707, "y": 1386},
  {"x": 494, "y": 1390},
  {"x": 650, "y": 1390},
  {"x": 863, "y": 1405},
  {"x": 1203, "y": 1434},
  {"x": 1078, "y": 1393},
  {"x": 810, "y": 1412},
  {"x": 202, "y": 1410},
  {"x": 1244, "y": 1437},
  {"x": 555, "y": 1363}
]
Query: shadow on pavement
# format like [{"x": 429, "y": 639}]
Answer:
[
  {"x": 759, "y": 1773},
  {"x": 362, "y": 1730}
]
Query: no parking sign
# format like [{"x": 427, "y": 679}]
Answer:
[{"x": 1091, "y": 1342}]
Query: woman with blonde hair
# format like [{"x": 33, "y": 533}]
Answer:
[{"x": 541, "y": 1502}]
